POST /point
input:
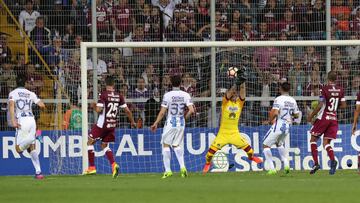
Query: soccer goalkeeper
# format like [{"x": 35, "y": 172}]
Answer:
[{"x": 231, "y": 108}]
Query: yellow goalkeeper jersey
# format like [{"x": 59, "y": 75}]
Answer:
[{"x": 230, "y": 114}]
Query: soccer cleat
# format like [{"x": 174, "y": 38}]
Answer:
[
  {"x": 90, "y": 171},
  {"x": 183, "y": 173},
  {"x": 256, "y": 159},
  {"x": 314, "y": 169},
  {"x": 287, "y": 170},
  {"x": 39, "y": 136},
  {"x": 206, "y": 168},
  {"x": 166, "y": 175},
  {"x": 272, "y": 172},
  {"x": 333, "y": 165},
  {"x": 39, "y": 176},
  {"x": 115, "y": 170}
]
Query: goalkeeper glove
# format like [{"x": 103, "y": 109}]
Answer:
[{"x": 241, "y": 76}]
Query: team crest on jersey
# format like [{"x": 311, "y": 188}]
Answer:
[{"x": 232, "y": 115}]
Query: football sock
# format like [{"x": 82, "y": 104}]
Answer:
[
  {"x": 314, "y": 152},
  {"x": 109, "y": 155},
  {"x": 179, "y": 152},
  {"x": 166, "y": 158},
  {"x": 36, "y": 162},
  {"x": 283, "y": 155},
  {"x": 268, "y": 158},
  {"x": 330, "y": 152},
  {"x": 91, "y": 156},
  {"x": 210, "y": 154},
  {"x": 249, "y": 151}
]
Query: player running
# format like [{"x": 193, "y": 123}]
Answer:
[
  {"x": 232, "y": 105},
  {"x": 22, "y": 118},
  {"x": 175, "y": 102},
  {"x": 326, "y": 122},
  {"x": 282, "y": 114},
  {"x": 356, "y": 116},
  {"x": 104, "y": 130}
]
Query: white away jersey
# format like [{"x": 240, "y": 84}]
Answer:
[
  {"x": 23, "y": 99},
  {"x": 176, "y": 101},
  {"x": 287, "y": 106},
  {"x": 27, "y": 20}
]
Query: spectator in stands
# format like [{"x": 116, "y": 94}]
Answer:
[
  {"x": 262, "y": 33},
  {"x": 355, "y": 20},
  {"x": 248, "y": 33},
  {"x": 188, "y": 84},
  {"x": 247, "y": 9},
  {"x": 139, "y": 36},
  {"x": 313, "y": 87},
  {"x": 271, "y": 15},
  {"x": 300, "y": 17},
  {"x": 355, "y": 85},
  {"x": 7, "y": 79},
  {"x": 28, "y": 16},
  {"x": 57, "y": 10},
  {"x": 202, "y": 13},
  {"x": 341, "y": 12},
  {"x": 102, "y": 22},
  {"x": 41, "y": 37},
  {"x": 57, "y": 55},
  {"x": 352, "y": 52},
  {"x": 122, "y": 19},
  {"x": 235, "y": 33},
  {"x": 101, "y": 66},
  {"x": 262, "y": 55},
  {"x": 316, "y": 21},
  {"x": 221, "y": 26},
  {"x": 72, "y": 74},
  {"x": 286, "y": 22},
  {"x": 268, "y": 89},
  {"x": 343, "y": 71},
  {"x": 148, "y": 75},
  {"x": 5, "y": 51},
  {"x": 73, "y": 116},
  {"x": 310, "y": 57},
  {"x": 82, "y": 9},
  {"x": 69, "y": 36},
  {"x": 297, "y": 78},
  {"x": 167, "y": 8},
  {"x": 34, "y": 80},
  {"x": 77, "y": 41},
  {"x": 140, "y": 92}
]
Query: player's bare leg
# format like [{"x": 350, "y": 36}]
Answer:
[
  {"x": 166, "y": 159},
  {"x": 268, "y": 160},
  {"x": 36, "y": 162},
  {"x": 209, "y": 155},
  {"x": 314, "y": 153},
  {"x": 284, "y": 158},
  {"x": 110, "y": 157},
  {"x": 91, "y": 155},
  {"x": 330, "y": 152},
  {"x": 179, "y": 152}
]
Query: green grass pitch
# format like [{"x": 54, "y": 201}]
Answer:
[{"x": 243, "y": 187}]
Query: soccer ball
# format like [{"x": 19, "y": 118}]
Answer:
[{"x": 232, "y": 72}]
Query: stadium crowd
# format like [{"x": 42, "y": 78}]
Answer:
[{"x": 56, "y": 28}]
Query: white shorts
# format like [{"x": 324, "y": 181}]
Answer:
[
  {"x": 172, "y": 136},
  {"x": 276, "y": 135},
  {"x": 27, "y": 131}
]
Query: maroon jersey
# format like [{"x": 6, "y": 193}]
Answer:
[
  {"x": 331, "y": 96},
  {"x": 102, "y": 18},
  {"x": 122, "y": 16},
  {"x": 110, "y": 102}
]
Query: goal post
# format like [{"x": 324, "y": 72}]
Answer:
[{"x": 216, "y": 44}]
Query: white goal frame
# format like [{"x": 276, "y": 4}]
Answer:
[{"x": 210, "y": 44}]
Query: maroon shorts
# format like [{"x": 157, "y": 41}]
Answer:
[
  {"x": 327, "y": 127},
  {"x": 103, "y": 134}
]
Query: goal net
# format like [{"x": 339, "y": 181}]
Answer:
[{"x": 144, "y": 77}]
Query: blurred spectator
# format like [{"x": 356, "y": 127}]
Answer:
[
  {"x": 268, "y": 89},
  {"x": 355, "y": 85},
  {"x": 310, "y": 57},
  {"x": 202, "y": 14},
  {"x": 352, "y": 52},
  {"x": 262, "y": 55},
  {"x": 122, "y": 19},
  {"x": 69, "y": 36},
  {"x": 72, "y": 74},
  {"x": 167, "y": 8},
  {"x": 82, "y": 9},
  {"x": 297, "y": 78},
  {"x": 287, "y": 22},
  {"x": 7, "y": 79},
  {"x": 140, "y": 92},
  {"x": 139, "y": 36},
  {"x": 41, "y": 37},
  {"x": 313, "y": 87},
  {"x": 101, "y": 66},
  {"x": 270, "y": 15},
  {"x": 341, "y": 12},
  {"x": 34, "y": 80},
  {"x": 102, "y": 22},
  {"x": 247, "y": 9},
  {"x": 148, "y": 74},
  {"x": 355, "y": 21},
  {"x": 28, "y": 17},
  {"x": 262, "y": 33},
  {"x": 316, "y": 21},
  {"x": 57, "y": 55},
  {"x": 5, "y": 51},
  {"x": 248, "y": 32},
  {"x": 188, "y": 84},
  {"x": 77, "y": 41},
  {"x": 342, "y": 69},
  {"x": 73, "y": 117},
  {"x": 55, "y": 24},
  {"x": 235, "y": 33}
]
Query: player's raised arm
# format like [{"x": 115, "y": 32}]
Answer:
[
  {"x": 41, "y": 104},
  {"x": 230, "y": 92},
  {"x": 242, "y": 91}
]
